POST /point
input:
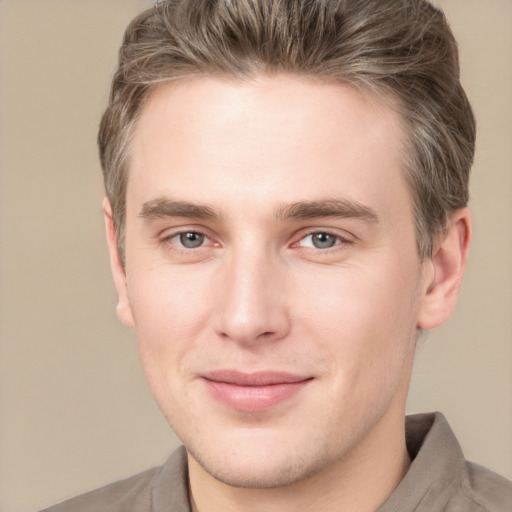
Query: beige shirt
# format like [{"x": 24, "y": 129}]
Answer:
[{"x": 439, "y": 479}]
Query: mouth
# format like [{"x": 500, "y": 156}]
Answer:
[{"x": 253, "y": 392}]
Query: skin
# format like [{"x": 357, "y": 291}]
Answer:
[{"x": 261, "y": 174}]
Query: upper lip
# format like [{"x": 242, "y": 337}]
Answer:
[{"x": 262, "y": 378}]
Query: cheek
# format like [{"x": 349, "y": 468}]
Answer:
[
  {"x": 167, "y": 301},
  {"x": 365, "y": 320},
  {"x": 170, "y": 313}
]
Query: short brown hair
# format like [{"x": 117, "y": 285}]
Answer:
[{"x": 403, "y": 49}]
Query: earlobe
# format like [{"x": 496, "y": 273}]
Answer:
[
  {"x": 444, "y": 279},
  {"x": 123, "y": 309}
]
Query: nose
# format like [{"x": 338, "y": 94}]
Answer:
[{"x": 252, "y": 306}]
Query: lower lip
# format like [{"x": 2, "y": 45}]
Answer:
[{"x": 254, "y": 398}]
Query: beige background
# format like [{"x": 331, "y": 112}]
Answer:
[{"x": 74, "y": 409}]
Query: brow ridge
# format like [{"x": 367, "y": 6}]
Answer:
[
  {"x": 339, "y": 208},
  {"x": 162, "y": 207},
  {"x": 301, "y": 210}
]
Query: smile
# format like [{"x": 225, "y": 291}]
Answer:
[{"x": 255, "y": 392}]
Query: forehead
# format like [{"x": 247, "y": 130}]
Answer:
[{"x": 283, "y": 137}]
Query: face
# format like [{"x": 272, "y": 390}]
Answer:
[{"x": 272, "y": 275}]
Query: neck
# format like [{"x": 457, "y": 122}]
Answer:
[{"x": 360, "y": 482}]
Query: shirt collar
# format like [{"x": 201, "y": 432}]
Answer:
[{"x": 437, "y": 466}]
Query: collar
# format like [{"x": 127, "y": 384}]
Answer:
[{"x": 438, "y": 465}]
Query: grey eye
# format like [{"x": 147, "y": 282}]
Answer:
[
  {"x": 191, "y": 239},
  {"x": 323, "y": 240}
]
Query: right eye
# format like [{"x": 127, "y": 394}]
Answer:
[{"x": 189, "y": 239}]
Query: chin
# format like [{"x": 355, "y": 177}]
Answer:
[
  {"x": 260, "y": 465},
  {"x": 265, "y": 476}
]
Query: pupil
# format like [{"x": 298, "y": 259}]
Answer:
[
  {"x": 191, "y": 240},
  {"x": 323, "y": 240}
]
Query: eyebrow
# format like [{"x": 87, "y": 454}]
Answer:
[
  {"x": 337, "y": 208},
  {"x": 163, "y": 207}
]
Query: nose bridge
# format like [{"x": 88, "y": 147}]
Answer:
[{"x": 253, "y": 304}]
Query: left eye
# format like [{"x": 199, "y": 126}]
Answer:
[
  {"x": 320, "y": 240},
  {"x": 189, "y": 239}
]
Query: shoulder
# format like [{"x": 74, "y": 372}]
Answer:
[
  {"x": 161, "y": 488},
  {"x": 132, "y": 493},
  {"x": 440, "y": 477},
  {"x": 486, "y": 490}
]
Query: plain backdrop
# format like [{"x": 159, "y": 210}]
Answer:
[{"x": 74, "y": 409}]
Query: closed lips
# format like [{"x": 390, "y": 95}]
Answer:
[{"x": 254, "y": 392}]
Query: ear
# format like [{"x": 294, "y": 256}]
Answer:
[
  {"x": 124, "y": 310},
  {"x": 444, "y": 278}
]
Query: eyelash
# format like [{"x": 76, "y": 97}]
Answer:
[
  {"x": 340, "y": 242},
  {"x": 179, "y": 246}
]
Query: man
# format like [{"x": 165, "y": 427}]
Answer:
[{"x": 286, "y": 211}]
